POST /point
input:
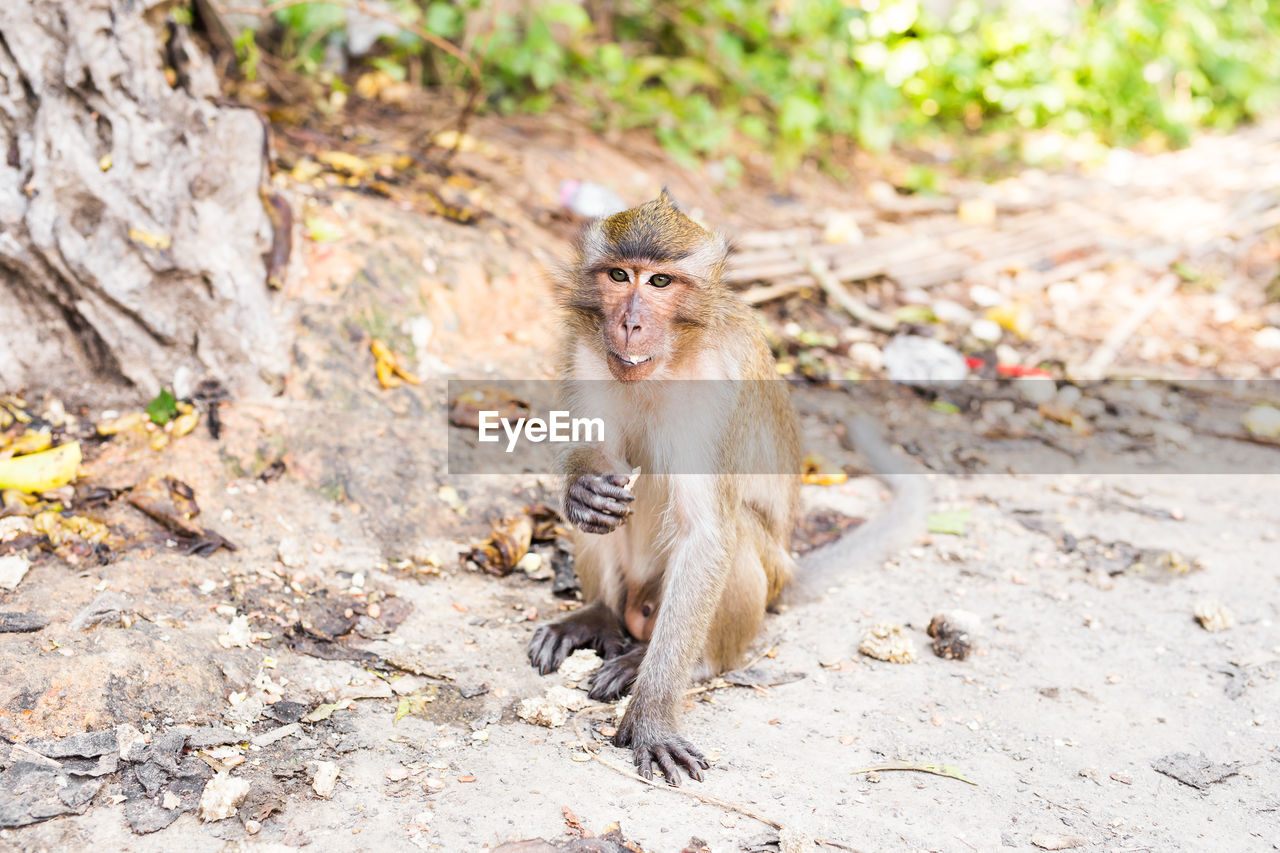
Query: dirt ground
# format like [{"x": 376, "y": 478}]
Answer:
[{"x": 346, "y": 633}]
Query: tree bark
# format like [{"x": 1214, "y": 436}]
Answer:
[{"x": 132, "y": 230}]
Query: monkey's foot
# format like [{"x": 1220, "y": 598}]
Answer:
[
  {"x": 654, "y": 744},
  {"x": 592, "y": 627},
  {"x": 616, "y": 675}
]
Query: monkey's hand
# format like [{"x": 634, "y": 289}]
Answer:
[
  {"x": 653, "y": 742},
  {"x": 598, "y": 503}
]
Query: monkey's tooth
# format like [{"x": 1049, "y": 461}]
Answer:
[{"x": 634, "y": 359}]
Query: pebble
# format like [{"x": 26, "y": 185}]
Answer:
[
  {"x": 1267, "y": 338},
  {"x": 325, "y": 779},
  {"x": 397, "y": 774},
  {"x": 222, "y": 796}
]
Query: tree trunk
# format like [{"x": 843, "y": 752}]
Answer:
[{"x": 132, "y": 230}]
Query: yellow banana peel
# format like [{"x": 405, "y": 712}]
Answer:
[{"x": 40, "y": 472}]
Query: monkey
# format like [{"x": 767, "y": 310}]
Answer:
[{"x": 678, "y": 569}]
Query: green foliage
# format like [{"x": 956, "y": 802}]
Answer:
[
  {"x": 791, "y": 78},
  {"x": 163, "y": 408}
]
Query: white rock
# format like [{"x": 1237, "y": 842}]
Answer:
[
  {"x": 292, "y": 552},
  {"x": 1267, "y": 338},
  {"x": 13, "y": 569},
  {"x": 985, "y": 297},
  {"x": 987, "y": 331},
  {"x": 540, "y": 711},
  {"x": 951, "y": 312},
  {"x": 129, "y": 741},
  {"x": 579, "y": 665},
  {"x": 1263, "y": 421},
  {"x": 866, "y": 356},
  {"x": 910, "y": 358},
  {"x": 324, "y": 779},
  {"x": 237, "y": 634},
  {"x": 222, "y": 796}
]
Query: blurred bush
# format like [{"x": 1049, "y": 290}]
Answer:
[{"x": 806, "y": 78}]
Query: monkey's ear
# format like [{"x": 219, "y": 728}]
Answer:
[{"x": 665, "y": 198}]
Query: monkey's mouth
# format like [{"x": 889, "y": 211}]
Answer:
[{"x": 632, "y": 360}]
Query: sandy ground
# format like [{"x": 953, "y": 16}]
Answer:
[{"x": 1076, "y": 692}]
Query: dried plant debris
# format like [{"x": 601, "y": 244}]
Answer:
[
  {"x": 888, "y": 642},
  {"x": 1194, "y": 770},
  {"x": 580, "y": 840},
  {"x": 505, "y": 547},
  {"x": 955, "y": 634},
  {"x": 1112, "y": 558},
  {"x": 508, "y": 546},
  {"x": 1214, "y": 616},
  {"x": 465, "y": 408},
  {"x": 172, "y": 503},
  {"x": 821, "y": 527}
]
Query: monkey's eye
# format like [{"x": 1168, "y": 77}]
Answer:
[
  {"x": 660, "y": 280},
  {"x": 618, "y": 274}
]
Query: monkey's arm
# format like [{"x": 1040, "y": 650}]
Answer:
[
  {"x": 594, "y": 501},
  {"x": 696, "y": 572}
]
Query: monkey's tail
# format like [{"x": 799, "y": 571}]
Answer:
[{"x": 871, "y": 543}]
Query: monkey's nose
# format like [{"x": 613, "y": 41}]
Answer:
[{"x": 630, "y": 326}]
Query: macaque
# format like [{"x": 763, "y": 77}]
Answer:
[{"x": 677, "y": 569}]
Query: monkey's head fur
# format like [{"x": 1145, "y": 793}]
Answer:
[{"x": 642, "y": 282}]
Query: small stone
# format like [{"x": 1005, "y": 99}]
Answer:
[
  {"x": 1214, "y": 616},
  {"x": 888, "y": 642},
  {"x": 977, "y": 211},
  {"x": 1263, "y": 421},
  {"x": 1268, "y": 338},
  {"x": 954, "y": 634},
  {"x": 292, "y": 553},
  {"x": 222, "y": 796},
  {"x": 397, "y": 774},
  {"x": 13, "y": 569},
  {"x": 170, "y": 800},
  {"x": 252, "y": 827},
  {"x": 324, "y": 779},
  {"x": 579, "y": 665},
  {"x": 987, "y": 331},
  {"x": 866, "y": 356}
]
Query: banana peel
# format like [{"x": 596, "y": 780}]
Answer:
[{"x": 43, "y": 471}]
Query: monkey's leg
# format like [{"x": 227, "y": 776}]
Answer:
[
  {"x": 740, "y": 612},
  {"x": 737, "y": 621},
  {"x": 697, "y": 567},
  {"x": 593, "y": 627}
]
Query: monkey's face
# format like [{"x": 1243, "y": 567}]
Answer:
[{"x": 640, "y": 304}]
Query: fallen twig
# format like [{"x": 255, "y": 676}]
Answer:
[
  {"x": 1122, "y": 331},
  {"x": 936, "y": 769},
  {"x": 840, "y": 295}
]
